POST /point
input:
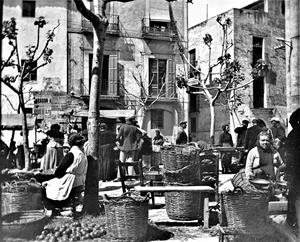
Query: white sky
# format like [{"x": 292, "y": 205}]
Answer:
[{"x": 197, "y": 10}]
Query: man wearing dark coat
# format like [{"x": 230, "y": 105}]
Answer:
[
  {"x": 241, "y": 133},
  {"x": 181, "y": 138},
  {"x": 251, "y": 135},
  {"x": 293, "y": 166}
]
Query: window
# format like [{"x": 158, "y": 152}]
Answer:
[
  {"x": 157, "y": 76},
  {"x": 192, "y": 59},
  {"x": 258, "y": 83},
  {"x": 28, "y": 8},
  {"x": 109, "y": 84},
  {"x": 157, "y": 119},
  {"x": 29, "y": 110},
  {"x": 29, "y": 68}
]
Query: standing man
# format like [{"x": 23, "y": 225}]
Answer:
[
  {"x": 251, "y": 135},
  {"x": 241, "y": 131},
  {"x": 182, "y": 137},
  {"x": 293, "y": 167},
  {"x": 128, "y": 139}
]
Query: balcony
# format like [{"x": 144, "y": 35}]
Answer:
[
  {"x": 112, "y": 28},
  {"x": 156, "y": 29}
]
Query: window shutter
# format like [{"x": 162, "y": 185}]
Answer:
[
  {"x": 171, "y": 80},
  {"x": 113, "y": 75}
]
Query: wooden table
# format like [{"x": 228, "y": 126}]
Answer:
[{"x": 182, "y": 189}]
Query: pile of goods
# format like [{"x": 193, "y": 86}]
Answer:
[{"x": 74, "y": 231}]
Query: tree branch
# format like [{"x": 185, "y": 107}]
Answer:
[
  {"x": 48, "y": 41},
  {"x": 8, "y": 100},
  {"x": 89, "y": 15},
  {"x": 8, "y": 59},
  {"x": 10, "y": 86}
]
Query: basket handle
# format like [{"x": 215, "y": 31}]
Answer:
[
  {"x": 32, "y": 180},
  {"x": 238, "y": 190}
]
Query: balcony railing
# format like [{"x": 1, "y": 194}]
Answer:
[
  {"x": 156, "y": 29},
  {"x": 112, "y": 28}
]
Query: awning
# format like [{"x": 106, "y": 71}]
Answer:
[
  {"x": 112, "y": 114},
  {"x": 159, "y": 14},
  {"x": 14, "y": 122}
]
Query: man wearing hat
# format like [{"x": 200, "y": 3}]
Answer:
[
  {"x": 278, "y": 132},
  {"x": 181, "y": 138},
  {"x": 128, "y": 139},
  {"x": 251, "y": 135},
  {"x": 241, "y": 131}
]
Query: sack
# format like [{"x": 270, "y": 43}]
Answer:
[{"x": 59, "y": 188}]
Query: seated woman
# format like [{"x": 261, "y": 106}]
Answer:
[
  {"x": 69, "y": 177},
  {"x": 261, "y": 162},
  {"x": 262, "y": 159}
]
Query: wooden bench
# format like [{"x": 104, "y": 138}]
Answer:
[{"x": 183, "y": 189}]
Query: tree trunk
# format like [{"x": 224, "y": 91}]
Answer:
[
  {"x": 212, "y": 123},
  {"x": 140, "y": 116},
  {"x": 25, "y": 136},
  {"x": 92, "y": 181}
]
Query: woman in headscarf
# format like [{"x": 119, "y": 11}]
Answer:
[{"x": 75, "y": 164}]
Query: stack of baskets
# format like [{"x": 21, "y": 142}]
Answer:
[
  {"x": 246, "y": 210},
  {"x": 22, "y": 209},
  {"x": 182, "y": 167},
  {"x": 127, "y": 217}
]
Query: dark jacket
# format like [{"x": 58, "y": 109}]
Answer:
[
  {"x": 225, "y": 138},
  {"x": 107, "y": 137},
  {"x": 241, "y": 131},
  {"x": 251, "y": 137},
  {"x": 128, "y": 137},
  {"x": 181, "y": 138}
]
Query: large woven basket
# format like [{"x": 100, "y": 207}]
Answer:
[
  {"x": 247, "y": 210},
  {"x": 21, "y": 195},
  {"x": 25, "y": 224},
  {"x": 175, "y": 157},
  {"x": 184, "y": 206},
  {"x": 127, "y": 217}
]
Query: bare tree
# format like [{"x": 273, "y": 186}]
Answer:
[
  {"x": 144, "y": 99},
  {"x": 224, "y": 76},
  {"x": 36, "y": 58}
]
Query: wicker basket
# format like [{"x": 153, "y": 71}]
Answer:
[
  {"x": 184, "y": 206},
  {"x": 188, "y": 174},
  {"x": 247, "y": 210},
  {"x": 21, "y": 195},
  {"x": 126, "y": 217},
  {"x": 175, "y": 157},
  {"x": 25, "y": 224}
]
